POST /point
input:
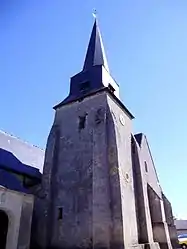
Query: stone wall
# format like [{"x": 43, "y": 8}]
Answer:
[
  {"x": 153, "y": 219},
  {"x": 145, "y": 233},
  {"x": 119, "y": 134},
  {"x": 170, "y": 221},
  {"x": 18, "y": 207},
  {"x": 88, "y": 180}
]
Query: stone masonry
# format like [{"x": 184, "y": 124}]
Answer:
[{"x": 99, "y": 187}]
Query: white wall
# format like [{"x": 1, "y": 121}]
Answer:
[
  {"x": 11, "y": 202},
  {"x": 181, "y": 226}
]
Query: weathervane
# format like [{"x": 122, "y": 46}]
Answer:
[{"x": 94, "y": 13}]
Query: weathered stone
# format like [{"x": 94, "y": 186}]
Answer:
[{"x": 100, "y": 188}]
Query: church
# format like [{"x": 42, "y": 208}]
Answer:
[{"x": 95, "y": 185}]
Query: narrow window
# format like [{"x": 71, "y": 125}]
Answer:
[
  {"x": 82, "y": 121},
  {"x": 127, "y": 177},
  {"x": 146, "y": 169},
  {"x": 60, "y": 213}
]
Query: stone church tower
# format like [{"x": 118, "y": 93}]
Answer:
[
  {"x": 88, "y": 168},
  {"x": 89, "y": 196}
]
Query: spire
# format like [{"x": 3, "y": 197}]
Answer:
[
  {"x": 95, "y": 53},
  {"x": 95, "y": 75}
]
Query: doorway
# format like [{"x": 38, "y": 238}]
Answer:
[{"x": 3, "y": 229}]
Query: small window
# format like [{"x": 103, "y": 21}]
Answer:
[
  {"x": 84, "y": 86},
  {"x": 82, "y": 121},
  {"x": 60, "y": 213},
  {"x": 146, "y": 169},
  {"x": 111, "y": 88},
  {"x": 127, "y": 177}
]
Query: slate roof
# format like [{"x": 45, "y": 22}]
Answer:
[
  {"x": 9, "y": 181},
  {"x": 181, "y": 224},
  {"x": 138, "y": 138},
  {"x": 9, "y": 162},
  {"x": 27, "y": 154},
  {"x": 95, "y": 55}
]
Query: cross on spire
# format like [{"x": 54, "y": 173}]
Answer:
[{"x": 94, "y": 13}]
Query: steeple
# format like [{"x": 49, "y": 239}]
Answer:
[
  {"x": 95, "y": 55},
  {"x": 95, "y": 75}
]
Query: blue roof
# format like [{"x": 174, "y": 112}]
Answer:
[
  {"x": 139, "y": 138},
  {"x": 11, "y": 182},
  {"x": 10, "y": 162},
  {"x": 25, "y": 153}
]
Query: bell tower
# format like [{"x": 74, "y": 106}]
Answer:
[{"x": 88, "y": 179}]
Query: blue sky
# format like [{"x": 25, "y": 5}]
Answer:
[{"x": 43, "y": 44}]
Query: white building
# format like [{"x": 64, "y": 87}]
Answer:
[{"x": 181, "y": 226}]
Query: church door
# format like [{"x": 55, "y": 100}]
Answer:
[{"x": 3, "y": 229}]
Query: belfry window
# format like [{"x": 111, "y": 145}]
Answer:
[{"x": 85, "y": 86}]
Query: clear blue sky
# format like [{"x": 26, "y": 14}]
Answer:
[{"x": 43, "y": 43}]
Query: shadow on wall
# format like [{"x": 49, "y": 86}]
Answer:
[
  {"x": 103, "y": 121},
  {"x": 3, "y": 229},
  {"x": 139, "y": 196},
  {"x": 159, "y": 227},
  {"x": 117, "y": 240}
]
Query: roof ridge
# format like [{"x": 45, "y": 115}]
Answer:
[{"x": 20, "y": 139}]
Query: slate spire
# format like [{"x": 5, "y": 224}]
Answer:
[
  {"x": 95, "y": 75},
  {"x": 95, "y": 53}
]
